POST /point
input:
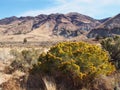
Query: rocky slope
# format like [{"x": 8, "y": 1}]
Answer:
[
  {"x": 66, "y": 25},
  {"x": 57, "y": 27},
  {"x": 109, "y": 28}
]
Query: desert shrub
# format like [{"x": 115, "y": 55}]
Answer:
[
  {"x": 78, "y": 60},
  {"x": 112, "y": 45},
  {"x": 24, "y": 60}
]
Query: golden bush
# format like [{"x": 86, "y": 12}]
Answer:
[{"x": 79, "y": 60}]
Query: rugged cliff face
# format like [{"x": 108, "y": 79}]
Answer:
[{"x": 108, "y": 28}]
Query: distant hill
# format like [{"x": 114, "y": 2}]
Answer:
[
  {"x": 57, "y": 27},
  {"x": 108, "y": 28},
  {"x": 71, "y": 24}
]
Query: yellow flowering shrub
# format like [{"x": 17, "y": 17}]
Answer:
[{"x": 78, "y": 59}]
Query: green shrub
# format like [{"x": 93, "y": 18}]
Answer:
[
  {"x": 81, "y": 61},
  {"x": 112, "y": 45},
  {"x": 24, "y": 60}
]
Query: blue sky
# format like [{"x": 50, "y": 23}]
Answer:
[{"x": 95, "y": 8}]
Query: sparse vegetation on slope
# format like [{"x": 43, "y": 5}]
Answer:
[{"x": 24, "y": 60}]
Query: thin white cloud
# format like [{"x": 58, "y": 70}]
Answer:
[{"x": 89, "y": 7}]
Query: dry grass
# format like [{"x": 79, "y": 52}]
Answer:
[
  {"x": 11, "y": 85},
  {"x": 49, "y": 83},
  {"x": 103, "y": 83}
]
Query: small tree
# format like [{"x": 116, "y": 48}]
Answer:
[
  {"x": 25, "y": 40},
  {"x": 97, "y": 37}
]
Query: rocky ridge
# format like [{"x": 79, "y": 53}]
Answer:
[
  {"x": 58, "y": 27},
  {"x": 109, "y": 28},
  {"x": 71, "y": 24}
]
